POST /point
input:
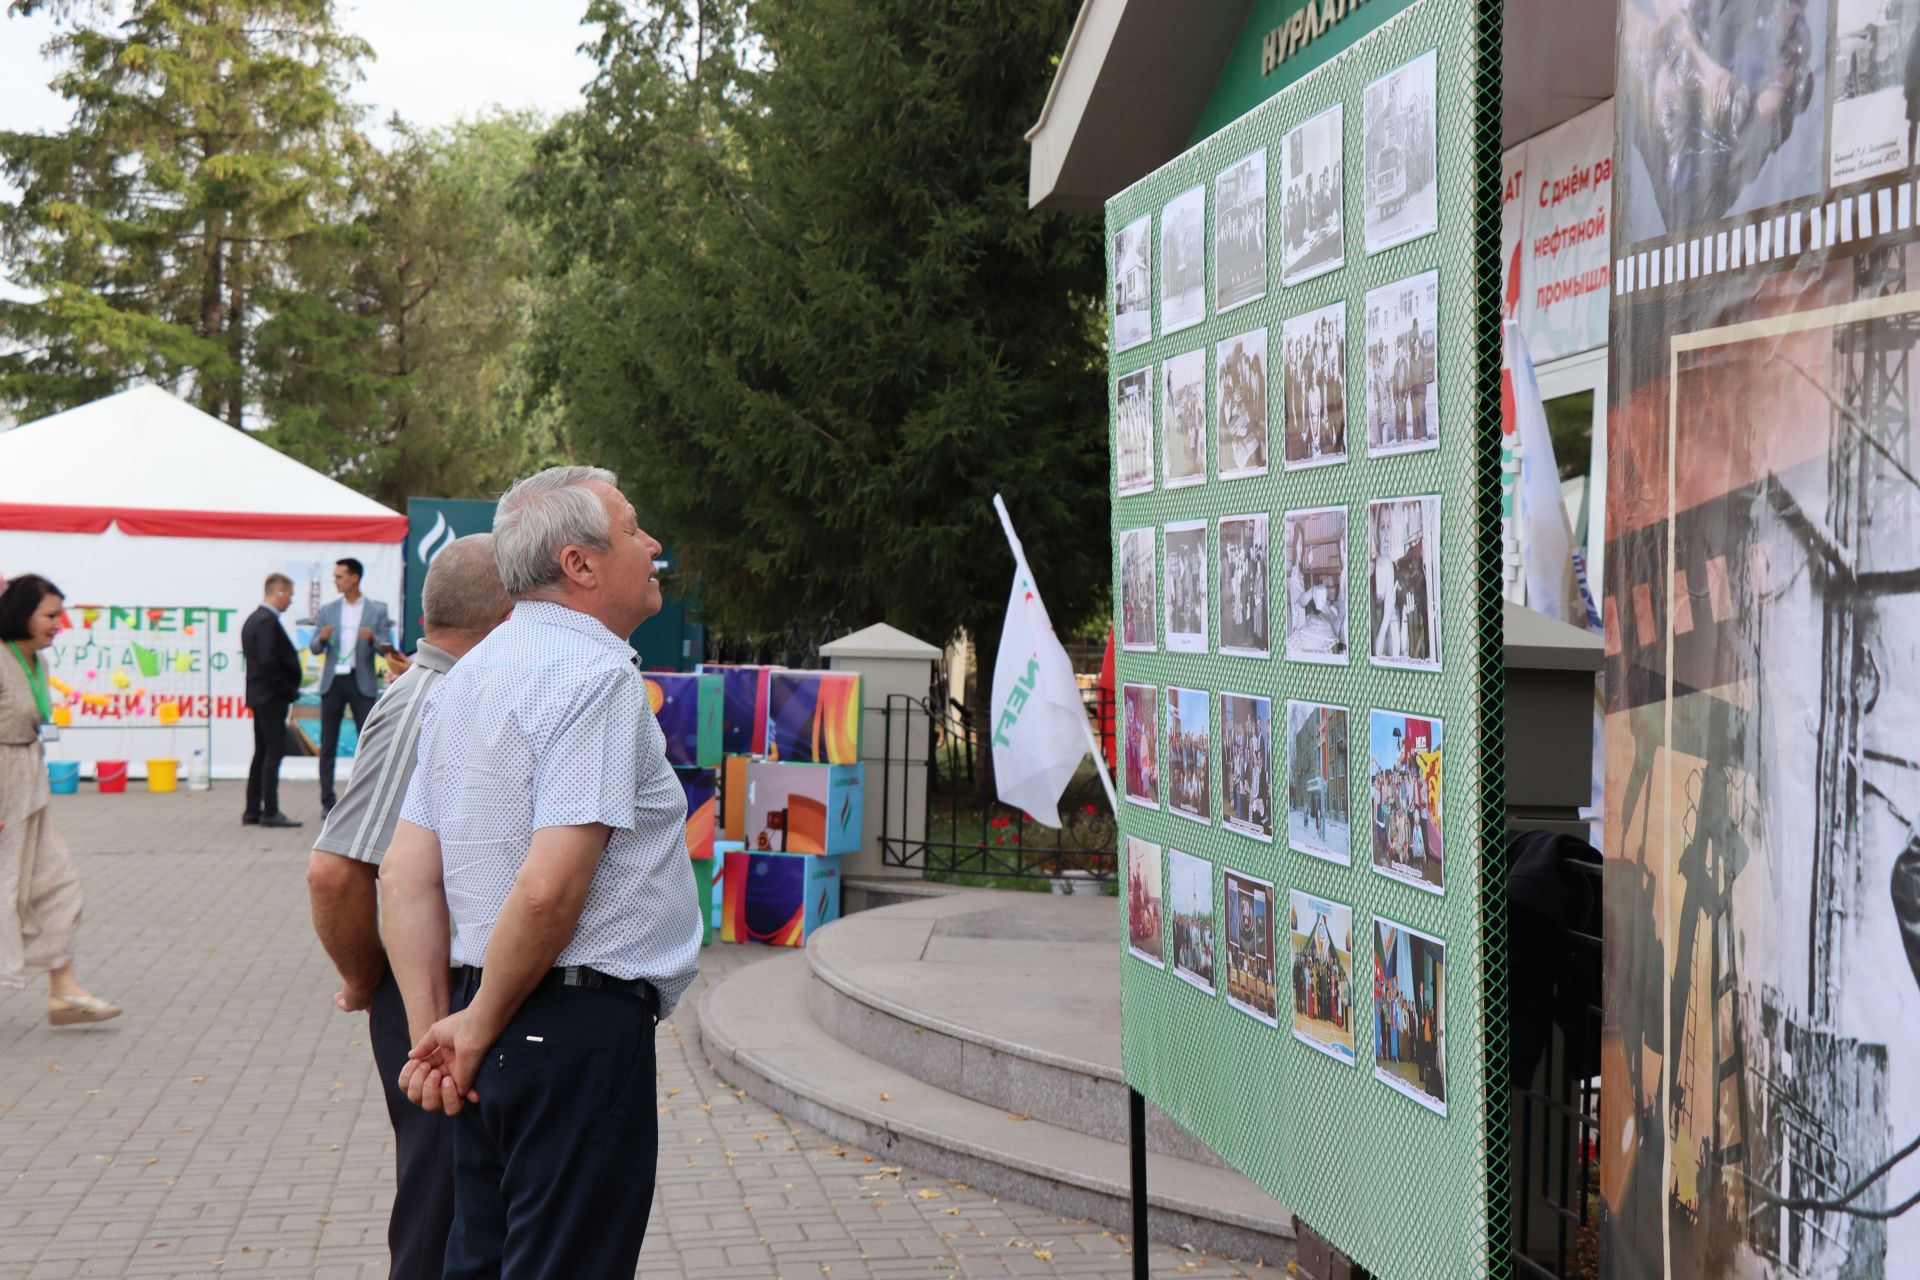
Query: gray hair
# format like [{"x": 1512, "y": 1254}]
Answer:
[
  {"x": 463, "y": 591},
  {"x": 540, "y": 515}
]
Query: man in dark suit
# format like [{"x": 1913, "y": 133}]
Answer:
[
  {"x": 350, "y": 630},
  {"x": 273, "y": 682}
]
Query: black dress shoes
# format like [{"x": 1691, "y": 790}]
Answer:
[
  {"x": 278, "y": 820},
  {"x": 249, "y": 819}
]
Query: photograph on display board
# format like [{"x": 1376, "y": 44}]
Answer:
[
  {"x": 1139, "y": 602},
  {"x": 1133, "y": 284},
  {"x": 1183, "y": 420},
  {"x": 1190, "y": 882},
  {"x": 1183, "y": 261},
  {"x": 1401, "y": 200},
  {"x": 1240, "y": 414},
  {"x": 1240, "y": 233},
  {"x": 1410, "y": 1013},
  {"x": 1316, "y": 566},
  {"x": 1317, "y": 821},
  {"x": 1403, "y": 788},
  {"x": 1876, "y": 87},
  {"x": 1313, "y": 366},
  {"x": 1248, "y": 922},
  {"x": 1245, "y": 630},
  {"x": 1133, "y": 432},
  {"x": 1141, "y": 710},
  {"x": 1403, "y": 366},
  {"x": 1403, "y": 578},
  {"x": 1190, "y": 754},
  {"x": 1186, "y": 586},
  {"x": 1246, "y": 764},
  {"x": 1312, "y": 239},
  {"x": 1145, "y": 937},
  {"x": 1320, "y": 939}
]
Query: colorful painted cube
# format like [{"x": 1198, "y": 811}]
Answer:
[
  {"x": 688, "y": 706},
  {"x": 733, "y": 798},
  {"x": 707, "y": 872},
  {"x": 778, "y": 898},
  {"x": 803, "y": 808},
  {"x": 702, "y": 787},
  {"x": 813, "y": 717},
  {"x": 743, "y": 719}
]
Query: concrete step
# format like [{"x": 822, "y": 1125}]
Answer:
[{"x": 759, "y": 1035}]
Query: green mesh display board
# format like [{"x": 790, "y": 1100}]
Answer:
[{"x": 1355, "y": 1082}]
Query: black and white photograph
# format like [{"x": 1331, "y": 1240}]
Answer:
[
  {"x": 1401, "y": 199},
  {"x": 1190, "y": 754},
  {"x": 1244, "y": 602},
  {"x": 1133, "y": 284},
  {"x": 1316, "y": 566},
  {"x": 1140, "y": 722},
  {"x": 1186, "y": 586},
  {"x": 1313, "y": 364},
  {"x": 1133, "y": 431},
  {"x": 1403, "y": 370},
  {"x": 1240, "y": 416},
  {"x": 1240, "y": 233},
  {"x": 1410, "y": 1013},
  {"x": 1183, "y": 261},
  {"x": 1317, "y": 821},
  {"x": 1403, "y": 574},
  {"x": 1246, "y": 764},
  {"x": 1191, "y": 886},
  {"x": 1312, "y": 242},
  {"x": 1876, "y": 80},
  {"x": 1138, "y": 599},
  {"x": 1183, "y": 420}
]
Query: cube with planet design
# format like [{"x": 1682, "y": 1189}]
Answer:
[
  {"x": 777, "y": 898},
  {"x": 802, "y": 808},
  {"x": 687, "y": 705},
  {"x": 813, "y": 717},
  {"x": 743, "y": 718},
  {"x": 702, "y": 788}
]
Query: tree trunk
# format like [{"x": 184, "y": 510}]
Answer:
[
  {"x": 979, "y": 696},
  {"x": 236, "y": 346}
]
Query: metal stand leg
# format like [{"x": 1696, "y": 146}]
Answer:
[{"x": 1137, "y": 1158}]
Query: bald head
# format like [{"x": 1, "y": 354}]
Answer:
[{"x": 463, "y": 591}]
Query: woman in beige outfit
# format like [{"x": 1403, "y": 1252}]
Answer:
[{"x": 39, "y": 892}]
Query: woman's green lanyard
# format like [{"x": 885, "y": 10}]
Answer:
[{"x": 36, "y": 681}]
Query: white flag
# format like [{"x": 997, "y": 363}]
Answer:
[
  {"x": 1546, "y": 545},
  {"x": 1039, "y": 722}
]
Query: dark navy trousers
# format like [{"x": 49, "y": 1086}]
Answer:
[
  {"x": 554, "y": 1166},
  {"x": 423, "y": 1150}
]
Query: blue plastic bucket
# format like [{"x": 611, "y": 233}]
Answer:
[{"x": 63, "y": 777}]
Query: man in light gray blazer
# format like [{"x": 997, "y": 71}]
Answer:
[{"x": 349, "y": 632}]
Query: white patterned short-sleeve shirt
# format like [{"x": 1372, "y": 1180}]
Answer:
[{"x": 546, "y": 723}]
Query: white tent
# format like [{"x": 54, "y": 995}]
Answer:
[{"x": 160, "y": 523}]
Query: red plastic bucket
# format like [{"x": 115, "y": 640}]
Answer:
[{"x": 113, "y": 774}]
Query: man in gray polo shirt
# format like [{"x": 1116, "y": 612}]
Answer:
[{"x": 462, "y": 601}]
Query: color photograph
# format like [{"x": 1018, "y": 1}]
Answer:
[
  {"x": 1191, "y": 884},
  {"x": 1244, "y": 628},
  {"x": 1139, "y": 602},
  {"x": 1240, "y": 233},
  {"x": 1190, "y": 754},
  {"x": 1403, "y": 378},
  {"x": 1403, "y": 781},
  {"x": 1410, "y": 1013},
  {"x": 1240, "y": 414},
  {"x": 1317, "y": 822},
  {"x": 1140, "y": 709},
  {"x": 1183, "y": 261},
  {"x": 1183, "y": 420},
  {"x": 1312, "y": 242},
  {"x": 1246, "y": 764},
  {"x": 1403, "y": 571},
  {"x": 1133, "y": 432},
  {"x": 1186, "y": 586},
  {"x": 1133, "y": 284},
  {"x": 1401, "y": 200},
  {"x": 1145, "y": 937},
  {"x": 1313, "y": 364},
  {"x": 1316, "y": 551},
  {"x": 1249, "y": 926},
  {"x": 1320, "y": 935}
]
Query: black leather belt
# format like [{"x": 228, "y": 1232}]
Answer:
[{"x": 580, "y": 975}]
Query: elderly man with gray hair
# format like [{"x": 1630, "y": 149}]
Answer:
[
  {"x": 541, "y": 851},
  {"x": 462, "y": 601}
]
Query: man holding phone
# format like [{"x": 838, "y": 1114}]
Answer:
[{"x": 351, "y": 630}]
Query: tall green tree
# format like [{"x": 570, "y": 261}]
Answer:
[
  {"x": 809, "y": 315},
  {"x": 208, "y": 136}
]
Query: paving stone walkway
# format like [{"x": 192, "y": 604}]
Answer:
[{"x": 230, "y": 1124}]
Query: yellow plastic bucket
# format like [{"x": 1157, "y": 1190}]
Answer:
[{"x": 163, "y": 775}]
